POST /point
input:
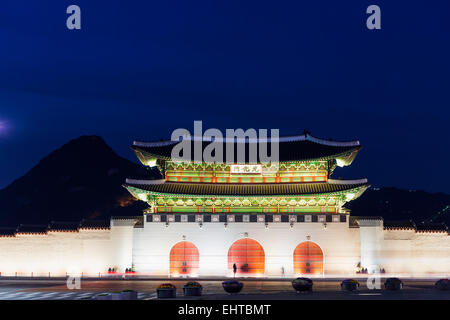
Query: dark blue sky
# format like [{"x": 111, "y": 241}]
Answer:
[{"x": 139, "y": 69}]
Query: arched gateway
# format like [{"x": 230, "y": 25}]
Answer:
[
  {"x": 308, "y": 258},
  {"x": 184, "y": 259},
  {"x": 249, "y": 257}
]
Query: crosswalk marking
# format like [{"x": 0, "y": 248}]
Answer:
[
  {"x": 65, "y": 296},
  {"x": 11, "y": 296},
  {"x": 60, "y": 295},
  {"x": 44, "y": 296},
  {"x": 85, "y": 294},
  {"x": 152, "y": 296}
]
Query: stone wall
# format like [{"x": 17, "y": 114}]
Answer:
[
  {"x": 408, "y": 252},
  {"x": 84, "y": 251},
  {"x": 92, "y": 251}
]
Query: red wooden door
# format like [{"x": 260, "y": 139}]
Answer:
[
  {"x": 184, "y": 259},
  {"x": 308, "y": 258},
  {"x": 248, "y": 255}
]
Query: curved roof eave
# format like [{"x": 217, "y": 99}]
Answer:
[
  {"x": 350, "y": 155},
  {"x": 359, "y": 186}
]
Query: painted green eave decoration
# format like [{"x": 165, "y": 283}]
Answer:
[{"x": 355, "y": 191}]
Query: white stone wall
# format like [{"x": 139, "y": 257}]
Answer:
[
  {"x": 400, "y": 252},
  {"x": 371, "y": 236},
  {"x": 419, "y": 254},
  {"x": 152, "y": 245},
  {"x": 122, "y": 237},
  {"x": 88, "y": 251}
]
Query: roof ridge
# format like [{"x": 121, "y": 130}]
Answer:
[
  {"x": 353, "y": 181},
  {"x": 139, "y": 181}
]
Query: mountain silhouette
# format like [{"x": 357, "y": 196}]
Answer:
[
  {"x": 395, "y": 204},
  {"x": 83, "y": 180}
]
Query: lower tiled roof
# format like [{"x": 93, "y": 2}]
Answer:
[
  {"x": 94, "y": 224},
  {"x": 368, "y": 217},
  {"x": 32, "y": 229},
  {"x": 54, "y": 226},
  {"x": 63, "y": 226},
  {"x": 410, "y": 225},
  {"x": 247, "y": 189},
  {"x": 7, "y": 232},
  {"x": 431, "y": 227},
  {"x": 125, "y": 217},
  {"x": 402, "y": 224},
  {"x": 140, "y": 222}
]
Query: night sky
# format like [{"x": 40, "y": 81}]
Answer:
[{"x": 140, "y": 69}]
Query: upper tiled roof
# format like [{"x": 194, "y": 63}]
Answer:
[
  {"x": 260, "y": 189},
  {"x": 296, "y": 148}
]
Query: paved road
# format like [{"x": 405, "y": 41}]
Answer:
[
  {"x": 212, "y": 289},
  {"x": 18, "y": 295}
]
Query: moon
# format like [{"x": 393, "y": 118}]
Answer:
[{"x": 3, "y": 127}]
